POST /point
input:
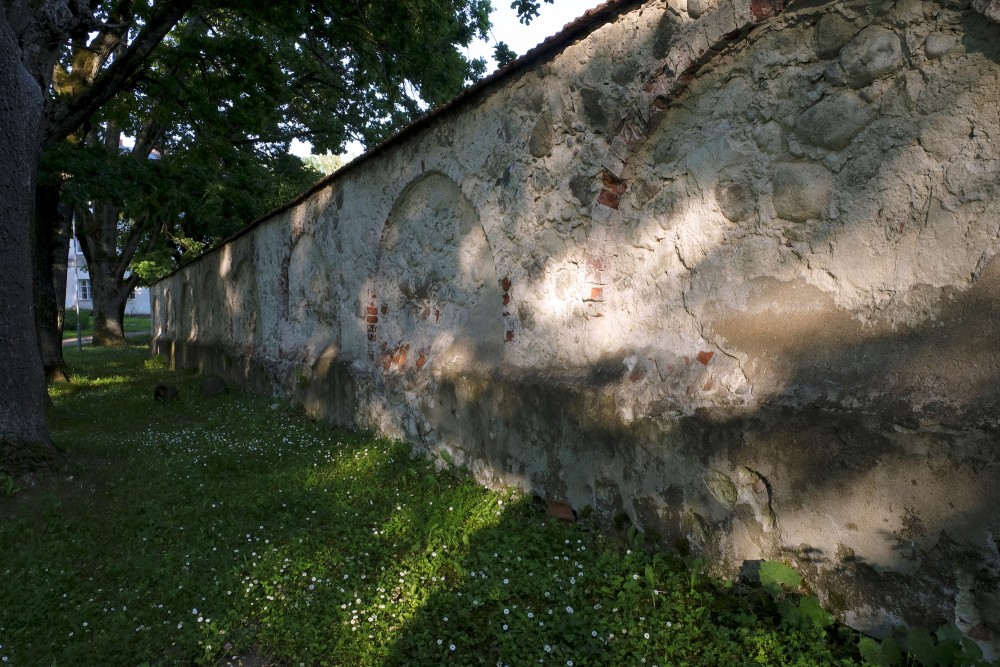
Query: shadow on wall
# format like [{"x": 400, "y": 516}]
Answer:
[
  {"x": 795, "y": 354},
  {"x": 872, "y": 413}
]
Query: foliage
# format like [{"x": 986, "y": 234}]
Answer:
[
  {"x": 211, "y": 529},
  {"x": 503, "y": 54},
  {"x": 218, "y": 102},
  {"x": 527, "y": 9},
  {"x": 323, "y": 164},
  {"x": 131, "y": 324},
  {"x": 908, "y": 647},
  {"x": 948, "y": 647},
  {"x": 70, "y": 322}
]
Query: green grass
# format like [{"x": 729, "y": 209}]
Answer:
[
  {"x": 131, "y": 323},
  {"x": 210, "y": 528}
]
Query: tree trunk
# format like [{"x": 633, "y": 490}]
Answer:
[
  {"x": 98, "y": 238},
  {"x": 24, "y": 433},
  {"x": 60, "y": 263},
  {"x": 49, "y": 252},
  {"x": 110, "y": 294}
]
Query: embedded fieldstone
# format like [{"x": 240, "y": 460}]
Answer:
[
  {"x": 593, "y": 108},
  {"x": 876, "y": 51},
  {"x": 165, "y": 393},
  {"x": 696, "y": 8},
  {"x": 581, "y": 186},
  {"x": 833, "y": 31},
  {"x": 834, "y": 121},
  {"x": 722, "y": 487},
  {"x": 802, "y": 191},
  {"x": 988, "y": 8},
  {"x": 540, "y": 141},
  {"x": 941, "y": 44},
  {"x": 735, "y": 198},
  {"x": 942, "y": 135}
]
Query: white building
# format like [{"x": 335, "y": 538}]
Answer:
[{"x": 78, "y": 286}]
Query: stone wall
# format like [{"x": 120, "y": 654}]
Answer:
[{"x": 726, "y": 268}]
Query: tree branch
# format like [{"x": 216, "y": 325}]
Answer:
[{"x": 64, "y": 118}]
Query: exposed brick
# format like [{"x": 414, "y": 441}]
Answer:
[
  {"x": 561, "y": 511},
  {"x": 421, "y": 360},
  {"x": 509, "y": 336},
  {"x": 609, "y": 198},
  {"x": 637, "y": 375},
  {"x": 372, "y": 319},
  {"x": 372, "y": 310},
  {"x": 704, "y": 357},
  {"x": 399, "y": 356},
  {"x": 761, "y": 9},
  {"x": 596, "y": 294},
  {"x": 613, "y": 183},
  {"x": 505, "y": 283},
  {"x": 506, "y": 298},
  {"x": 372, "y": 329}
]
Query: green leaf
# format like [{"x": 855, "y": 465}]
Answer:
[
  {"x": 920, "y": 644},
  {"x": 773, "y": 576},
  {"x": 811, "y": 612}
]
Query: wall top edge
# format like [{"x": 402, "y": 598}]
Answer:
[{"x": 588, "y": 22}]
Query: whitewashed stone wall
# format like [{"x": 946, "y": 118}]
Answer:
[{"x": 724, "y": 268}]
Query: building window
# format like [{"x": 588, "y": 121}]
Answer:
[
  {"x": 85, "y": 294},
  {"x": 131, "y": 294}
]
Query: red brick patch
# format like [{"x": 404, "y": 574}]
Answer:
[
  {"x": 561, "y": 511},
  {"x": 761, "y": 9},
  {"x": 705, "y": 357},
  {"x": 613, "y": 184},
  {"x": 609, "y": 199}
]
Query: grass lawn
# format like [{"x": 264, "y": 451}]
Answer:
[
  {"x": 212, "y": 530},
  {"x": 131, "y": 323}
]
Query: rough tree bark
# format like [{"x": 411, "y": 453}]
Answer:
[
  {"x": 24, "y": 433},
  {"x": 49, "y": 253},
  {"x": 109, "y": 287}
]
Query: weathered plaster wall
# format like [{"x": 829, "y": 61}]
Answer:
[{"x": 727, "y": 268}]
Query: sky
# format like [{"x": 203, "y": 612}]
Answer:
[
  {"x": 521, "y": 38},
  {"x": 506, "y": 28}
]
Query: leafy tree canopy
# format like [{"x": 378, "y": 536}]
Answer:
[{"x": 231, "y": 85}]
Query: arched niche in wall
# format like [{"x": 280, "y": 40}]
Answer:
[
  {"x": 186, "y": 317},
  {"x": 309, "y": 293},
  {"x": 241, "y": 294},
  {"x": 437, "y": 301}
]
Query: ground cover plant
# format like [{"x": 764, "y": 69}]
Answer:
[
  {"x": 231, "y": 530},
  {"x": 130, "y": 324}
]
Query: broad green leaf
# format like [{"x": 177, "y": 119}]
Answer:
[{"x": 773, "y": 576}]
